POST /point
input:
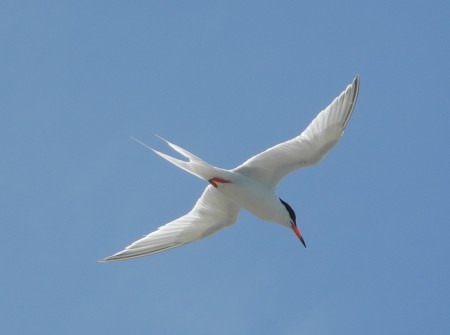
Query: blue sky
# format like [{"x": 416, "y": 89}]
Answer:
[{"x": 226, "y": 80}]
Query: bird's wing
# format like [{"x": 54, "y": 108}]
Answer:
[
  {"x": 309, "y": 147},
  {"x": 212, "y": 212}
]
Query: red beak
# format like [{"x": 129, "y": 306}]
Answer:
[{"x": 297, "y": 232}]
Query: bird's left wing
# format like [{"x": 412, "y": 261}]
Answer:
[
  {"x": 309, "y": 147},
  {"x": 212, "y": 212}
]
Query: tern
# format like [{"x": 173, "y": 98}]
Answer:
[{"x": 251, "y": 186}]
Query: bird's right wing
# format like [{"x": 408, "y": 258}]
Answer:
[
  {"x": 212, "y": 212},
  {"x": 270, "y": 166}
]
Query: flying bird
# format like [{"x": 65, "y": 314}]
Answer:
[{"x": 251, "y": 185}]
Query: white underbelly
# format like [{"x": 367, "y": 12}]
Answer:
[{"x": 258, "y": 199}]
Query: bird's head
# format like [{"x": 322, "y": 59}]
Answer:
[{"x": 293, "y": 221}]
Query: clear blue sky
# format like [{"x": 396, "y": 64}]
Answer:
[{"x": 225, "y": 79}]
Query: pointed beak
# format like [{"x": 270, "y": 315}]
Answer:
[{"x": 297, "y": 232}]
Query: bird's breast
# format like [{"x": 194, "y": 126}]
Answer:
[{"x": 259, "y": 199}]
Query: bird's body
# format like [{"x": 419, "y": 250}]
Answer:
[
  {"x": 258, "y": 198},
  {"x": 251, "y": 186}
]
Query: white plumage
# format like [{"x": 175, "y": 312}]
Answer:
[{"x": 251, "y": 185}]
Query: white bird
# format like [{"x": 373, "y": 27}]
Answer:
[{"x": 251, "y": 185}]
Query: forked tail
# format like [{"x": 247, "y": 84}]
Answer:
[{"x": 195, "y": 165}]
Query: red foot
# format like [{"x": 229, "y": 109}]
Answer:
[{"x": 216, "y": 180}]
